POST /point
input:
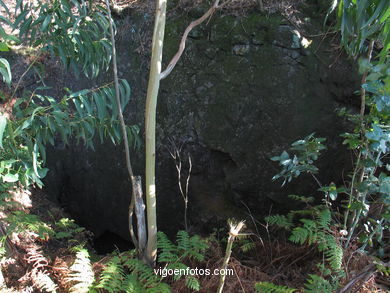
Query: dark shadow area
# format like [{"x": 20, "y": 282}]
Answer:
[{"x": 108, "y": 242}]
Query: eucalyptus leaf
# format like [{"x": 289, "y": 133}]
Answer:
[{"x": 3, "y": 124}]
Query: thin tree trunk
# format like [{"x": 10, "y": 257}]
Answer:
[
  {"x": 135, "y": 180},
  {"x": 140, "y": 215},
  {"x": 150, "y": 129},
  {"x": 150, "y": 114}
]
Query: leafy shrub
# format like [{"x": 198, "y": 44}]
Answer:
[{"x": 76, "y": 32}]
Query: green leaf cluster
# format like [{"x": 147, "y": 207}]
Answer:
[
  {"x": 67, "y": 228},
  {"x": 126, "y": 273},
  {"x": 362, "y": 20},
  {"x": 304, "y": 153},
  {"x": 19, "y": 221},
  {"x": 174, "y": 256},
  {"x": 77, "y": 32},
  {"x": 41, "y": 120},
  {"x": 313, "y": 229}
]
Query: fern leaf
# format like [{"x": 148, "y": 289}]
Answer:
[
  {"x": 183, "y": 241},
  {"x": 111, "y": 278},
  {"x": 192, "y": 283},
  {"x": 266, "y": 287},
  {"x": 81, "y": 275},
  {"x": 299, "y": 235},
  {"x": 280, "y": 221},
  {"x": 168, "y": 251},
  {"x": 43, "y": 282},
  {"x": 317, "y": 284},
  {"x": 177, "y": 266},
  {"x": 248, "y": 247},
  {"x": 159, "y": 288},
  {"x": 132, "y": 285},
  {"x": 142, "y": 278},
  {"x": 323, "y": 219},
  {"x": 143, "y": 272},
  {"x": 334, "y": 256},
  {"x": 198, "y": 247},
  {"x": 303, "y": 199}
]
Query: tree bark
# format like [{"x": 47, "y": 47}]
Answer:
[{"x": 150, "y": 129}]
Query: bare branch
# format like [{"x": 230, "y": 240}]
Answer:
[{"x": 182, "y": 46}]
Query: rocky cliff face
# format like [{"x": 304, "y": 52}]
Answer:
[{"x": 244, "y": 89}]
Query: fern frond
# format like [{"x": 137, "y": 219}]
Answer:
[
  {"x": 168, "y": 251},
  {"x": 198, "y": 246},
  {"x": 112, "y": 277},
  {"x": 312, "y": 230},
  {"x": 177, "y": 266},
  {"x": 20, "y": 221},
  {"x": 43, "y": 282},
  {"x": 317, "y": 284},
  {"x": 280, "y": 221},
  {"x": 132, "y": 285},
  {"x": 192, "y": 283},
  {"x": 248, "y": 246},
  {"x": 183, "y": 240},
  {"x": 144, "y": 273},
  {"x": 324, "y": 218},
  {"x": 306, "y": 212},
  {"x": 334, "y": 255},
  {"x": 266, "y": 287},
  {"x": 81, "y": 275},
  {"x": 303, "y": 199},
  {"x": 299, "y": 235},
  {"x": 159, "y": 288}
]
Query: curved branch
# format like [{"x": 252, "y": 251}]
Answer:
[{"x": 182, "y": 46}]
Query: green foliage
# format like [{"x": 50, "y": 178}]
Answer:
[
  {"x": 146, "y": 276},
  {"x": 266, "y": 287},
  {"x": 113, "y": 276},
  {"x": 314, "y": 229},
  {"x": 67, "y": 228},
  {"x": 383, "y": 268},
  {"x": 20, "y": 221},
  {"x": 81, "y": 276},
  {"x": 24, "y": 138},
  {"x": 360, "y": 23},
  {"x": 5, "y": 71},
  {"x": 300, "y": 198},
  {"x": 362, "y": 20},
  {"x": 187, "y": 247},
  {"x": 280, "y": 220},
  {"x": 77, "y": 32},
  {"x": 174, "y": 255},
  {"x": 3, "y": 124},
  {"x": 5, "y": 68},
  {"x": 192, "y": 283},
  {"x": 317, "y": 284},
  {"x": 317, "y": 231},
  {"x": 245, "y": 243},
  {"x": 304, "y": 153},
  {"x": 369, "y": 185},
  {"x": 126, "y": 273}
]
